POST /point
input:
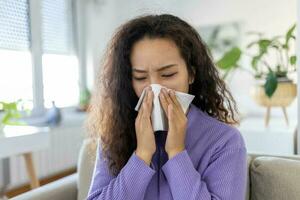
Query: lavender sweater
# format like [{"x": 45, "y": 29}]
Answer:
[{"x": 212, "y": 166}]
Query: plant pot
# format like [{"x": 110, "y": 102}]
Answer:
[{"x": 284, "y": 95}]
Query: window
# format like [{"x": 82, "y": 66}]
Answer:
[
  {"x": 60, "y": 74},
  {"x": 57, "y": 73},
  {"x": 14, "y": 25},
  {"x": 15, "y": 75},
  {"x": 15, "y": 67},
  {"x": 60, "y": 65}
]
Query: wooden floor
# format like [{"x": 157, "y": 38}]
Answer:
[{"x": 26, "y": 188}]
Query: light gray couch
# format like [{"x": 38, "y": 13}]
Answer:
[{"x": 270, "y": 178}]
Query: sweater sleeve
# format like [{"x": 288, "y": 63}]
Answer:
[
  {"x": 130, "y": 183},
  {"x": 223, "y": 179}
]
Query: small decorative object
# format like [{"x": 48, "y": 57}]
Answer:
[
  {"x": 53, "y": 115},
  {"x": 272, "y": 66}
]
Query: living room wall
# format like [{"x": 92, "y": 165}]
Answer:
[{"x": 269, "y": 17}]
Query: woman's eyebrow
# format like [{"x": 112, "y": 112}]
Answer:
[
  {"x": 160, "y": 69},
  {"x": 166, "y": 66}
]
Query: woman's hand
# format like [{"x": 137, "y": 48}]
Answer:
[
  {"x": 177, "y": 120},
  {"x": 146, "y": 146}
]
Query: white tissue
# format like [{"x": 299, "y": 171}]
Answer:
[{"x": 158, "y": 117}]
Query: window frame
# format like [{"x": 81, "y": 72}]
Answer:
[{"x": 36, "y": 49}]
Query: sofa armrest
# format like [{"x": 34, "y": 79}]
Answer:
[{"x": 62, "y": 189}]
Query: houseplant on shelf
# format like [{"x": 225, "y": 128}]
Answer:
[{"x": 272, "y": 65}]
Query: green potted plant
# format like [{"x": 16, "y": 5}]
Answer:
[
  {"x": 11, "y": 113},
  {"x": 271, "y": 65},
  {"x": 84, "y": 100}
]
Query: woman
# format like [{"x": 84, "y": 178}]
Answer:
[{"x": 201, "y": 156}]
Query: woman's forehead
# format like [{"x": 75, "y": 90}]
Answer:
[
  {"x": 155, "y": 51},
  {"x": 158, "y": 54}
]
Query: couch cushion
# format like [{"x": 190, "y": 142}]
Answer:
[
  {"x": 274, "y": 178},
  {"x": 249, "y": 158},
  {"x": 85, "y": 167}
]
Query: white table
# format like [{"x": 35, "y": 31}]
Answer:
[{"x": 22, "y": 140}]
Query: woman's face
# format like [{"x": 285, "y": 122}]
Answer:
[{"x": 158, "y": 61}]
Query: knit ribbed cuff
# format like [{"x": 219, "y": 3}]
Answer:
[
  {"x": 181, "y": 174},
  {"x": 141, "y": 164}
]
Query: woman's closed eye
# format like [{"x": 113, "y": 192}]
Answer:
[
  {"x": 169, "y": 75},
  {"x": 163, "y": 75},
  {"x": 139, "y": 78}
]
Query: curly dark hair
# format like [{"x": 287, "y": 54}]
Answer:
[{"x": 112, "y": 116}]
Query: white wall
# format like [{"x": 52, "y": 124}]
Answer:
[{"x": 268, "y": 16}]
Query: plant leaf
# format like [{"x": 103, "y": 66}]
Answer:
[
  {"x": 230, "y": 59},
  {"x": 271, "y": 84},
  {"x": 263, "y": 45},
  {"x": 11, "y": 113},
  {"x": 5, "y": 118},
  {"x": 293, "y": 60},
  {"x": 289, "y": 35},
  {"x": 10, "y": 106},
  {"x": 255, "y": 60}
]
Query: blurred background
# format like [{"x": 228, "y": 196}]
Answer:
[{"x": 50, "y": 51}]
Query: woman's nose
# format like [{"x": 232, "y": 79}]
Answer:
[{"x": 155, "y": 81}]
